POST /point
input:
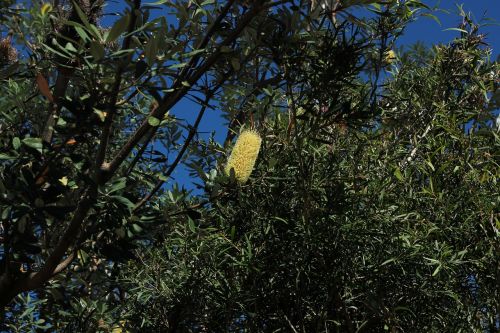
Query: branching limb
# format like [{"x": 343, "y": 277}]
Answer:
[
  {"x": 54, "y": 262},
  {"x": 108, "y": 123},
  {"x": 192, "y": 132},
  {"x": 181, "y": 88}
]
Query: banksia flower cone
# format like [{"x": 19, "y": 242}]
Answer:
[
  {"x": 244, "y": 155},
  {"x": 8, "y": 53}
]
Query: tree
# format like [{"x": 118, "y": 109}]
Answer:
[
  {"x": 385, "y": 223},
  {"x": 88, "y": 142},
  {"x": 85, "y": 108},
  {"x": 84, "y": 111}
]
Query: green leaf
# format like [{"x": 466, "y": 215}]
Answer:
[
  {"x": 194, "y": 52},
  {"x": 6, "y": 212},
  {"x": 35, "y": 143},
  {"x": 180, "y": 65},
  {"x": 388, "y": 261},
  {"x": 6, "y": 157},
  {"x": 97, "y": 50},
  {"x": 83, "y": 256},
  {"x": 121, "y": 53},
  {"x": 272, "y": 162},
  {"x": 235, "y": 62},
  {"x": 398, "y": 174},
  {"x": 69, "y": 47},
  {"x": 153, "y": 121},
  {"x": 207, "y": 2},
  {"x": 118, "y": 28},
  {"x": 119, "y": 184},
  {"x": 124, "y": 201},
  {"x": 81, "y": 14},
  {"x": 267, "y": 92},
  {"x": 456, "y": 29},
  {"x": 16, "y": 143},
  {"x": 429, "y": 163},
  {"x": 52, "y": 50},
  {"x": 136, "y": 228},
  {"x": 436, "y": 271},
  {"x": 191, "y": 225},
  {"x": 434, "y": 17},
  {"x": 21, "y": 223},
  {"x": 61, "y": 122},
  {"x": 151, "y": 50},
  {"x": 82, "y": 33}
]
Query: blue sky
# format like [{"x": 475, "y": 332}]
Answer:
[
  {"x": 424, "y": 30},
  {"x": 430, "y": 32}
]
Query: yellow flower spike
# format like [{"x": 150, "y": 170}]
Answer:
[
  {"x": 390, "y": 57},
  {"x": 244, "y": 154},
  {"x": 46, "y": 7},
  {"x": 119, "y": 328}
]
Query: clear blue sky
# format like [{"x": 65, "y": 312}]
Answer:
[{"x": 430, "y": 32}]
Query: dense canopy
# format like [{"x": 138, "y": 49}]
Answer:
[{"x": 349, "y": 184}]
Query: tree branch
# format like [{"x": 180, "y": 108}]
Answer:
[
  {"x": 179, "y": 91},
  {"x": 65, "y": 263},
  {"x": 54, "y": 263},
  {"x": 55, "y": 106},
  {"x": 414, "y": 151},
  {"x": 108, "y": 123},
  {"x": 192, "y": 132}
]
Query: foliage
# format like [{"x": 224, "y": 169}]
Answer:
[
  {"x": 391, "y": 226},
  {"x": 372, "y": 205}
]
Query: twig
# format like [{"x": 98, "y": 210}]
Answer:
[
  {"x": 414, "y": 151},
  {"x": 289, "y": 323},
  {"x": 55, "y": 106},
  {"x": 192, "y": 132},
  {"x": 108, "y": 123}
]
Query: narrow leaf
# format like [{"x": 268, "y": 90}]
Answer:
[{"x": 43, "y": 86}]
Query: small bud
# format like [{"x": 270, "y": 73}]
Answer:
[
  {"x": 46, "y": 8},
  {"x": 390, "y": 57},
  {"x": 63, "y": 181}
]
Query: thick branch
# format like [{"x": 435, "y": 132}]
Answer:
[
  {"x": 65, "y": 263},
  {"x": 54, "y": 262}
]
